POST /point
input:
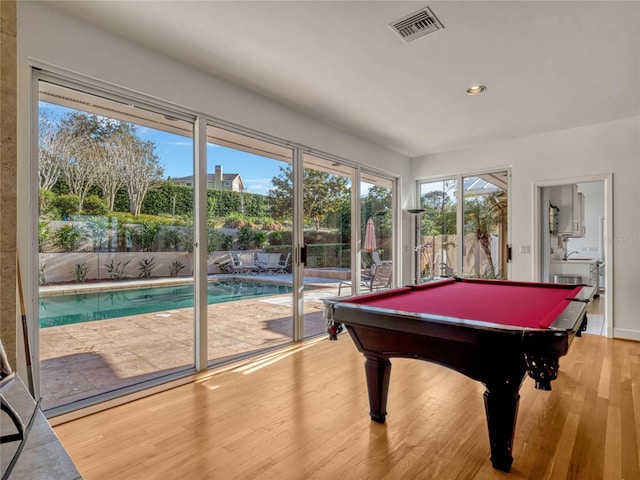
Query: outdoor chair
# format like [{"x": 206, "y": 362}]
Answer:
[
  {"x": 381, "y": 278},
  {"x": 375, "y": 257},
  {"x": 282, "y": 265},
  {"x": 244, "y": 263},
  {"x": 272, "y": 264},
  {"x": 366, "y": 272},
  {"x": 262, "y": 258}
]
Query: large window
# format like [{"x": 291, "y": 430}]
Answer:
[{"x": 466, "y": 238}]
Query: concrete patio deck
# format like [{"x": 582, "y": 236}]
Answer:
[{"x": 82, "y": 360}]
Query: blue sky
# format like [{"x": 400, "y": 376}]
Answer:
[{"x": 176, "y": 156}]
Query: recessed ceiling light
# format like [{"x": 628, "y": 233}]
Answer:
[{"x": 476, "y": 89}]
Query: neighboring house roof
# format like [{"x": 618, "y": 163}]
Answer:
[{"x": 210, "y": 177}]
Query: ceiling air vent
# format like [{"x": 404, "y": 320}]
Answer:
[{"x": 418, "y": 24}]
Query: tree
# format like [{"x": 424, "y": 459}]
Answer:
[
  {"x": 377, "y": 204},
  {"x": 81, "y": 135},
  {"x": 110, "y": 168},
  {"x": 90, "y": 150},
  {"x": 322, "y": 194},
  {"x": 52, "y": 145},
  {"x": 483, "y": 215},
  {"x": 141, "y": 168},
  {"x": 439, "y": 217}
]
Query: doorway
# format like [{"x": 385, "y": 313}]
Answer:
[{"x": 573, "y": 245}]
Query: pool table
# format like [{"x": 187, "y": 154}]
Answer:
[{"x": 492, "y": 331}]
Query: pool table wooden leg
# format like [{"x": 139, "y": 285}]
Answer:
[
  {"x": 378, "y": 372},
  {"x": 501, "y": 405}
]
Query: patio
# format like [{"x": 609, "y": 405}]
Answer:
[{"x": 82, "y": 360}]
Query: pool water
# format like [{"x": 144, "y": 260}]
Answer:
[{"x": 100, "y": 305}]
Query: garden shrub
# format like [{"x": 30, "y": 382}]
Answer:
[
  {"x": 69, "y": 237},
  {"x": 275, "y": 238},
  {"x": 146, "y": 234},
  {"x": 245, "y": 238},
  {"x": 94, "y": 205},
  {"x": 234, "y": 220},
  {"x": 47, "y": 204},
  {"x": 171, "y": 238},
  {"x": 260, "y": 239},
  {"x": 146, "y": 267},
  {"x": 67, "y": 205}
]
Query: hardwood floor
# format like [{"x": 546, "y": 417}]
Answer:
[{"x": 303, "y": 414}]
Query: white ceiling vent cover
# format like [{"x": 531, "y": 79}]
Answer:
[{"x": 418, "y": 24}]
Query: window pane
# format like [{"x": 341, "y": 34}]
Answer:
[
  {"x": 438, "y": 237},
  {"x": 485, "y": 226},
  {"x": 327, "y": 235},
  {"x": 250, "y": 213},
  {"x": 115, "y": 236},
  {"x": 376, "y": 232}
]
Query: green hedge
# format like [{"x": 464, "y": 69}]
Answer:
[{"x": 329, "y": 255}]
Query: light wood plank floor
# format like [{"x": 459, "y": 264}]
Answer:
[{"x": 303, "y": 414}]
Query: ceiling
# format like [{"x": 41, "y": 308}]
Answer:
[{"x": 546, "y": 65}]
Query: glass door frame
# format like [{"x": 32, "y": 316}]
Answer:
[
  {"x": 460, "y": 208},
  {"x": 110, "y": 93},
  {"x": 356, "y": 219}
]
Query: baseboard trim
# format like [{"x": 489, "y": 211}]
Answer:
[{"x": 626, "y": 334}]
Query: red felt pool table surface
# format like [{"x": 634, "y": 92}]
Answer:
[{"x": 520, "y": 305}]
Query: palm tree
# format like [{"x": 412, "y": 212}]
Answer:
[{"x": 484, "y": 216}]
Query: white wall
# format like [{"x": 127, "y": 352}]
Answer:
[
  {"x": 612, "y": 147},
  {"x": 46, "y": 36}
]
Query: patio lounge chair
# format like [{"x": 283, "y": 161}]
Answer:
[
  {"x": 375, "y": 257},
  {"x": 381, "y": 278},
  {"x": 283, "y": 265},
  {"x": 366, "y": 272},
  {"x": 271, "y": 263},
  {"x": 244, "y": 263},
  {"x": 262, "y": 258}
]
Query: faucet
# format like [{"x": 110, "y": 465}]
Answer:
[{"x": 568, "y": 254}]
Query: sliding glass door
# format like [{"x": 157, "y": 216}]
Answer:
[
  {"x": 485, "y": 226},
  {"x": 250, "y": 244},
  {"x": 326, "y": 210},
  {"x": 437, "y": 245},
  {"x": 168, "y": 243},
  {"x": 376, "y": 233},
  {"x": 464, "y": 226},
  {"x": 115, "y": 245}
]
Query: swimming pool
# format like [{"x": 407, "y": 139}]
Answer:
[{"x": 100, "y": 305}]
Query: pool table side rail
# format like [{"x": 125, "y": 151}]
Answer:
[{"x": 570, "y": 318}]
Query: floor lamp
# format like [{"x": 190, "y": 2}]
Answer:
[{"x": 416, "y": 212}]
